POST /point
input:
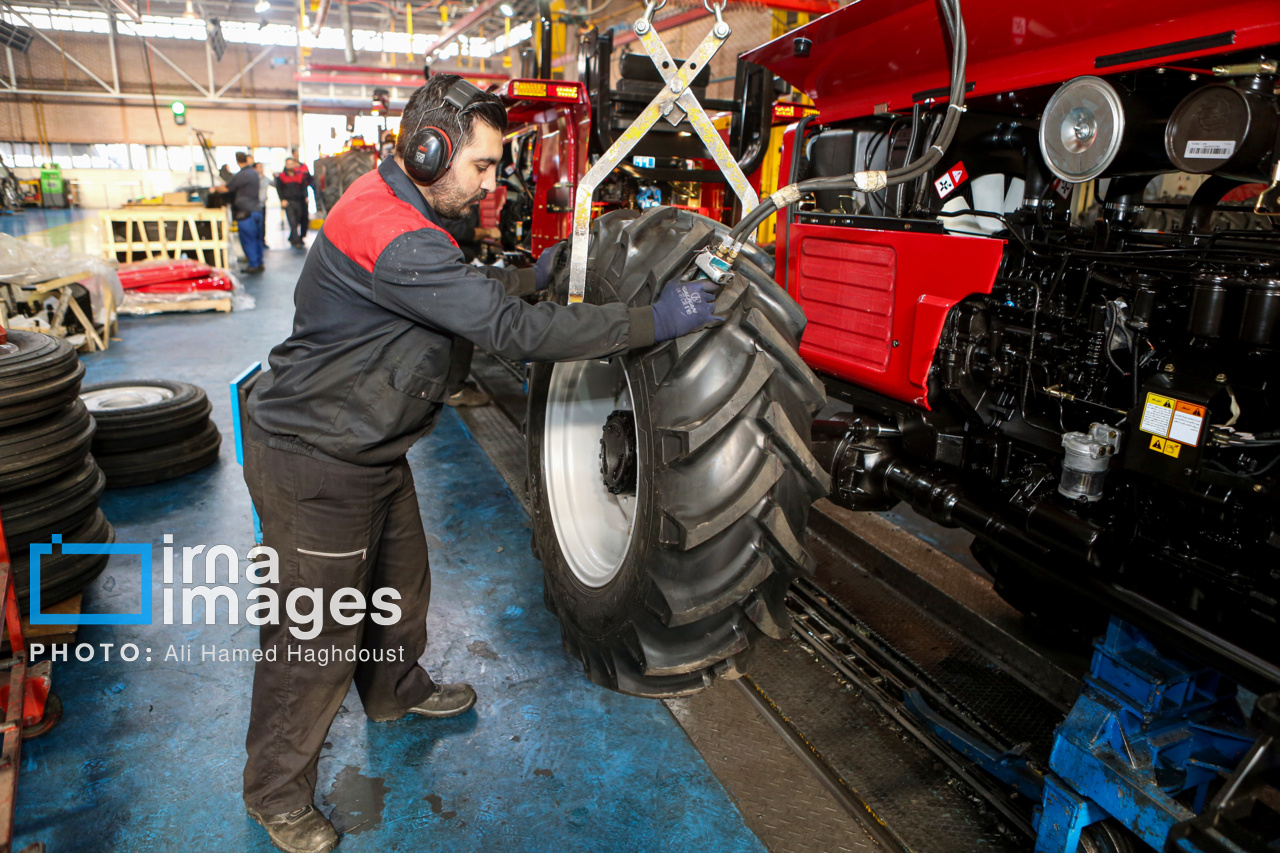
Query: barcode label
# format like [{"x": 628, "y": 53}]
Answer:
[{"x": 1210, "y": 149}]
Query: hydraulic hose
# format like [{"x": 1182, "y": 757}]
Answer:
[{"x": 872, "y": 181}]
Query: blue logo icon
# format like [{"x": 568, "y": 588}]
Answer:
[{"x": 143, "y": 617}]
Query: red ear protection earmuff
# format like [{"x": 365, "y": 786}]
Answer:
[{"x": 430, "y": 150}]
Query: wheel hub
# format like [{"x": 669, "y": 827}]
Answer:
[
  {"x": 589, "y": 448},
  {"x": 125, "y": 397},
  {"x": 618, "y": 453}
]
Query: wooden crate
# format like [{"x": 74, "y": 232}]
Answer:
[
  {"x": 165, "y": 231},
  {"x": 138, "y": 303},
  {"x": 97, "y": 337}
]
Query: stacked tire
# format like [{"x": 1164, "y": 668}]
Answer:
[
  {"x": 150, "y": 430},
  {"x": 49, "y": 483}
]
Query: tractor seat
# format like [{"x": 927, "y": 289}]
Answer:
[{"x": 638, "y": 83}]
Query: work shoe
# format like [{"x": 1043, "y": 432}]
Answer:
[
  {"x": 449, "y": 700},
  {"x": 303, "y": 830},
  {"x": 257, "y": 269},
  {"x": 469, "y": 397}
]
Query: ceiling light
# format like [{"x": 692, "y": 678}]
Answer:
[
  {"x": 263, "y": 7},
  {"x": 506, "y": 9}
]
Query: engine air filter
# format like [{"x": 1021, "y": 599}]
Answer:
[
  {"x": 1082, "y": 129},
  {"x": 1225, "y": 130}
]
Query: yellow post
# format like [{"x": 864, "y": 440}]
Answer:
[
  {"x": 559, "y": 37},
  {"x": 506, "y": 52},
  {"x": 408, "y": 28}
]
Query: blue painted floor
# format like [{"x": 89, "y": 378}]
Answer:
[
  {"x": 149, "y": 754},
  {"x": 35, "y": 219}
]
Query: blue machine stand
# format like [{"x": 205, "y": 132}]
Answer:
[
  {"x": 240, "y": 388},
  {"x": 1142, "y": 744}
]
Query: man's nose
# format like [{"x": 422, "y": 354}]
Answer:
[{"x": 490, "y": 183}]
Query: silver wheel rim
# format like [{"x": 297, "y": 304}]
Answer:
[
  {"x": 125, "y": 397},
  {"x": 594, "y": 528}
]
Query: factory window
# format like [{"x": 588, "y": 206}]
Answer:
[
  {"x": 179, "y": 158},
  {"x": 23, "y": 155}
]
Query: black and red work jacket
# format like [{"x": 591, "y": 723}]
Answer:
[
  {"x": 293, "y": 187},
  {"x": 382, "y": 295}
]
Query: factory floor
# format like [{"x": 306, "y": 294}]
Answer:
[{"x": 149, "y": 754}]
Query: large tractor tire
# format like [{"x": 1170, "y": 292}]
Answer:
[{"x": 671, "y": 486}]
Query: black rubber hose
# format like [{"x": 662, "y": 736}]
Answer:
[{"x": 955, "y": 26}]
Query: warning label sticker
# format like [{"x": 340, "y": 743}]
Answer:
[
  {"x": 954, "y": 177},
  {"x": 1188, "y": 418},
  {"x": 1157, "y": 415},
  {"x": 1165, "y": 446}
]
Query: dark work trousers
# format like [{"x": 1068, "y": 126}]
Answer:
[
  {"x": 299, "y": 218},
  {"x": 333, "y": 525}
]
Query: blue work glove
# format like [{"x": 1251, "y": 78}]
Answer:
[
  {"x": 546, "y": 264},
  {"x": 683, "y": 307}
]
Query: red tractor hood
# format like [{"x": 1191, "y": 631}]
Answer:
[{"x": 893, "y": 52}]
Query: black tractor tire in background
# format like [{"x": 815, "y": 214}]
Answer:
[
  {"x": 725, "y": 472},
  {"x": 38, "y": 374},
  {"x": 57, "y": 506},
  {"x": 63, "y": 575},
  {"x": 165, "y": 462},
  {"x": 128, "y": 422},
  {"x": 40, "y": 450}
]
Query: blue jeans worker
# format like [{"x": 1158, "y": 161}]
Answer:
[
  {"x": 246, "y": 208},
  {"x": 382, "y": 297}
]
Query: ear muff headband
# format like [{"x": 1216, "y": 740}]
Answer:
[{"x": 431, "y": 148}]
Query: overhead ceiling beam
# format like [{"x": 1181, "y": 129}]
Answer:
[
  {"x": 63, "y": 94},
  {"x": 129, "y": 10},
  {"x": 174, "y": 66},
  {"x": 55, "y": 46},
  {"x": 262, "y": 54},
  {"x": 478, "y": 14}
]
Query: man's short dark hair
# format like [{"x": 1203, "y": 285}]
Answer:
[
  {"x": 428, "y": 108},
  {"x": 241, "y": 158}
]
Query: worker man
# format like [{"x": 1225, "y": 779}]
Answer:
[
  {"x": 382, "y": 296},
  {"x": 246, "y": 208},
  {"x": 291, "y": 186}
]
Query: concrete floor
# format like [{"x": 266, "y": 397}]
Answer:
[{"x": 149, "y": 754}]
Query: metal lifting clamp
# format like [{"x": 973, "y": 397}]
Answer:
[{"x": 674, "y": 103}]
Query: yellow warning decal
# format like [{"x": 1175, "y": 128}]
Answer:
[
  {"x": 1157, "y": 414},
  {"x": 1165, "y": 446}
]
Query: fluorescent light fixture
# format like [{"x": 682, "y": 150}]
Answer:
[
  {"x": 506, "y": 9},
  {"x": 263, "y": 7}
]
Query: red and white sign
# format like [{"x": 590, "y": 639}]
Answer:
[{"x": 954, "y": 177}]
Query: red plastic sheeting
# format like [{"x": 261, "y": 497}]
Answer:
[
  {"x": 218, "y": 281},
  {"x": 146, "y": 273},
  {"x": 174, "y": 276}
]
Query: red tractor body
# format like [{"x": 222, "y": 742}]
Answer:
[{"x": 876, "y": 300}]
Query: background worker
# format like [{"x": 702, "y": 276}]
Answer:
[
  {"x": 382, "y": 296},
  {"x": 292, "y": 185},
  {"x": 246, "y": 207}
]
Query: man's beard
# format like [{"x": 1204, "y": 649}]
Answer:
[{"x": 451, "y": 201}]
